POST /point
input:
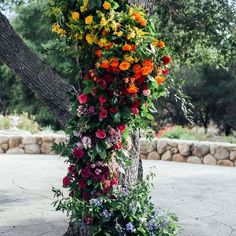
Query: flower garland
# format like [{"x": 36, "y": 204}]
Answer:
[{"x": 126, "y": 71}]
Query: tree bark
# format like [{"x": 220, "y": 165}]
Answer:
[{"x": 35, "y": 73}]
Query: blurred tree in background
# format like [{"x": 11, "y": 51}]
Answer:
[{"x": 201, "y": 33}]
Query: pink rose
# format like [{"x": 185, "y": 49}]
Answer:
[
  {"x": 102, "y": 99},
  {"x": 166, "y": 60},
  {"x": 78, "y": 153},
  {"x": 83, "y": 98},
  {"x": 146, "y": 92},
  {"x": 66, "y": 182},
  {"x": 98, "y": 171},
  {"x": 106, "y": 184},
  {"x": 101, "y": 134},
  {"x": 103, "y": 114}
]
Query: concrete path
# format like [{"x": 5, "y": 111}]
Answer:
[{"x": 204, "y": 197}]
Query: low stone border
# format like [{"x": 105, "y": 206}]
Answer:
[
  {"x": 208, "y": 153},
  {"x": 29, "y": 144}
]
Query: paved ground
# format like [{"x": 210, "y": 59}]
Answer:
[{"x": 204, "y": 197}]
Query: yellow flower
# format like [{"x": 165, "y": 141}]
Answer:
[
  {"x": 75, "y": 15},
  {"x": 57, "y": 29},
  {"x": 131, "y": 35},
  {"x": 89, "y": 20},
  {"x": 89, "y": 38},
  {"x": 106, "y": 5},
  {"x": 84, "y": 7},
  {"x": 103, "y": 21},
  {"x": 102, "y": 42},
  {"x": 128, "y": 58},
  {"x": 119, "y": 33}
]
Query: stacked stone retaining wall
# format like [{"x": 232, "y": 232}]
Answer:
[{"x": 208, "y": 153}]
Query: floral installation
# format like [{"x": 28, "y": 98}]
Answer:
[{"x": 125, "y": 72}]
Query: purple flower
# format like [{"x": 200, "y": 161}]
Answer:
[
  {"x": 87, "y": 142},
  {"x": 106, "y": 214},
  {"x": 129, "y": 227},
  {"x": 91, "y": 110},
  {"x": 95, "y": 202},
  {"x": 77, "y": 134}
]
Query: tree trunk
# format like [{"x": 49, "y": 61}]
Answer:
[{"x": 35, "y": 73}]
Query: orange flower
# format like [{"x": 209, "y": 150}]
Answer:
[
  {"x": 147, "y": 62},
  {"x": 132, "y": 89},
  {"x": 143, "y": 22},
  {"x": 105, "y": 64},
  {"x": 137, "y": 16},
  {"x": 114, "y": 62},
  {"x": 146, "y": 70},
  {"x": 124, "y": 65},
  {"x": 159, "y": 70},
  {"x": 127, "y": 47},
  {"x": 98, "y": 53},
  {"x": 104, "y": 32},
  {"x": 161, "y": 44},
  {"x": 109, "y": 46},
  {"x": 137, "y": 68},
  {"x": 160, "y": 80},
  {"x": 106, "y": 5}
]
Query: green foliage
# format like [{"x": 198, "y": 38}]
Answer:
[
  {"x": 199, "y": 30},
  {"x": 127, "y": 209}
]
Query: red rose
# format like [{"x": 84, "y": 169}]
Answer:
[
  {"x": 166, "y": 71},
  {"x": 66, "y": 182},
  {"x": 113, "y": 110},
  {"x": 122, "y": 128},
  {"x": 102, "y": 83},
  {"x": 71, "y": 169},
  {"x": 102, "y": 99},
  {"x": 114, "y": 181},
  {"x": 118, "y": 146},
  {"x": 78, "y": 153},
  {"x": 166, "y": 60},
  {"x": 103, "y": 114},
  {"x": 82, "y": 184},
  {"x": 86, "y": 196},
  {"x": 134, "y": 110},
  {"x": 86, "y": 173},
  {"x": 101, "y": 134},
  {"x": 83, "y": 98},
  {"x": 88, "y": 220}
]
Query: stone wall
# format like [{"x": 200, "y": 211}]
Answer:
[
  {"x": 29, "y": 144},
  {"x": 208, "y": 153}
]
